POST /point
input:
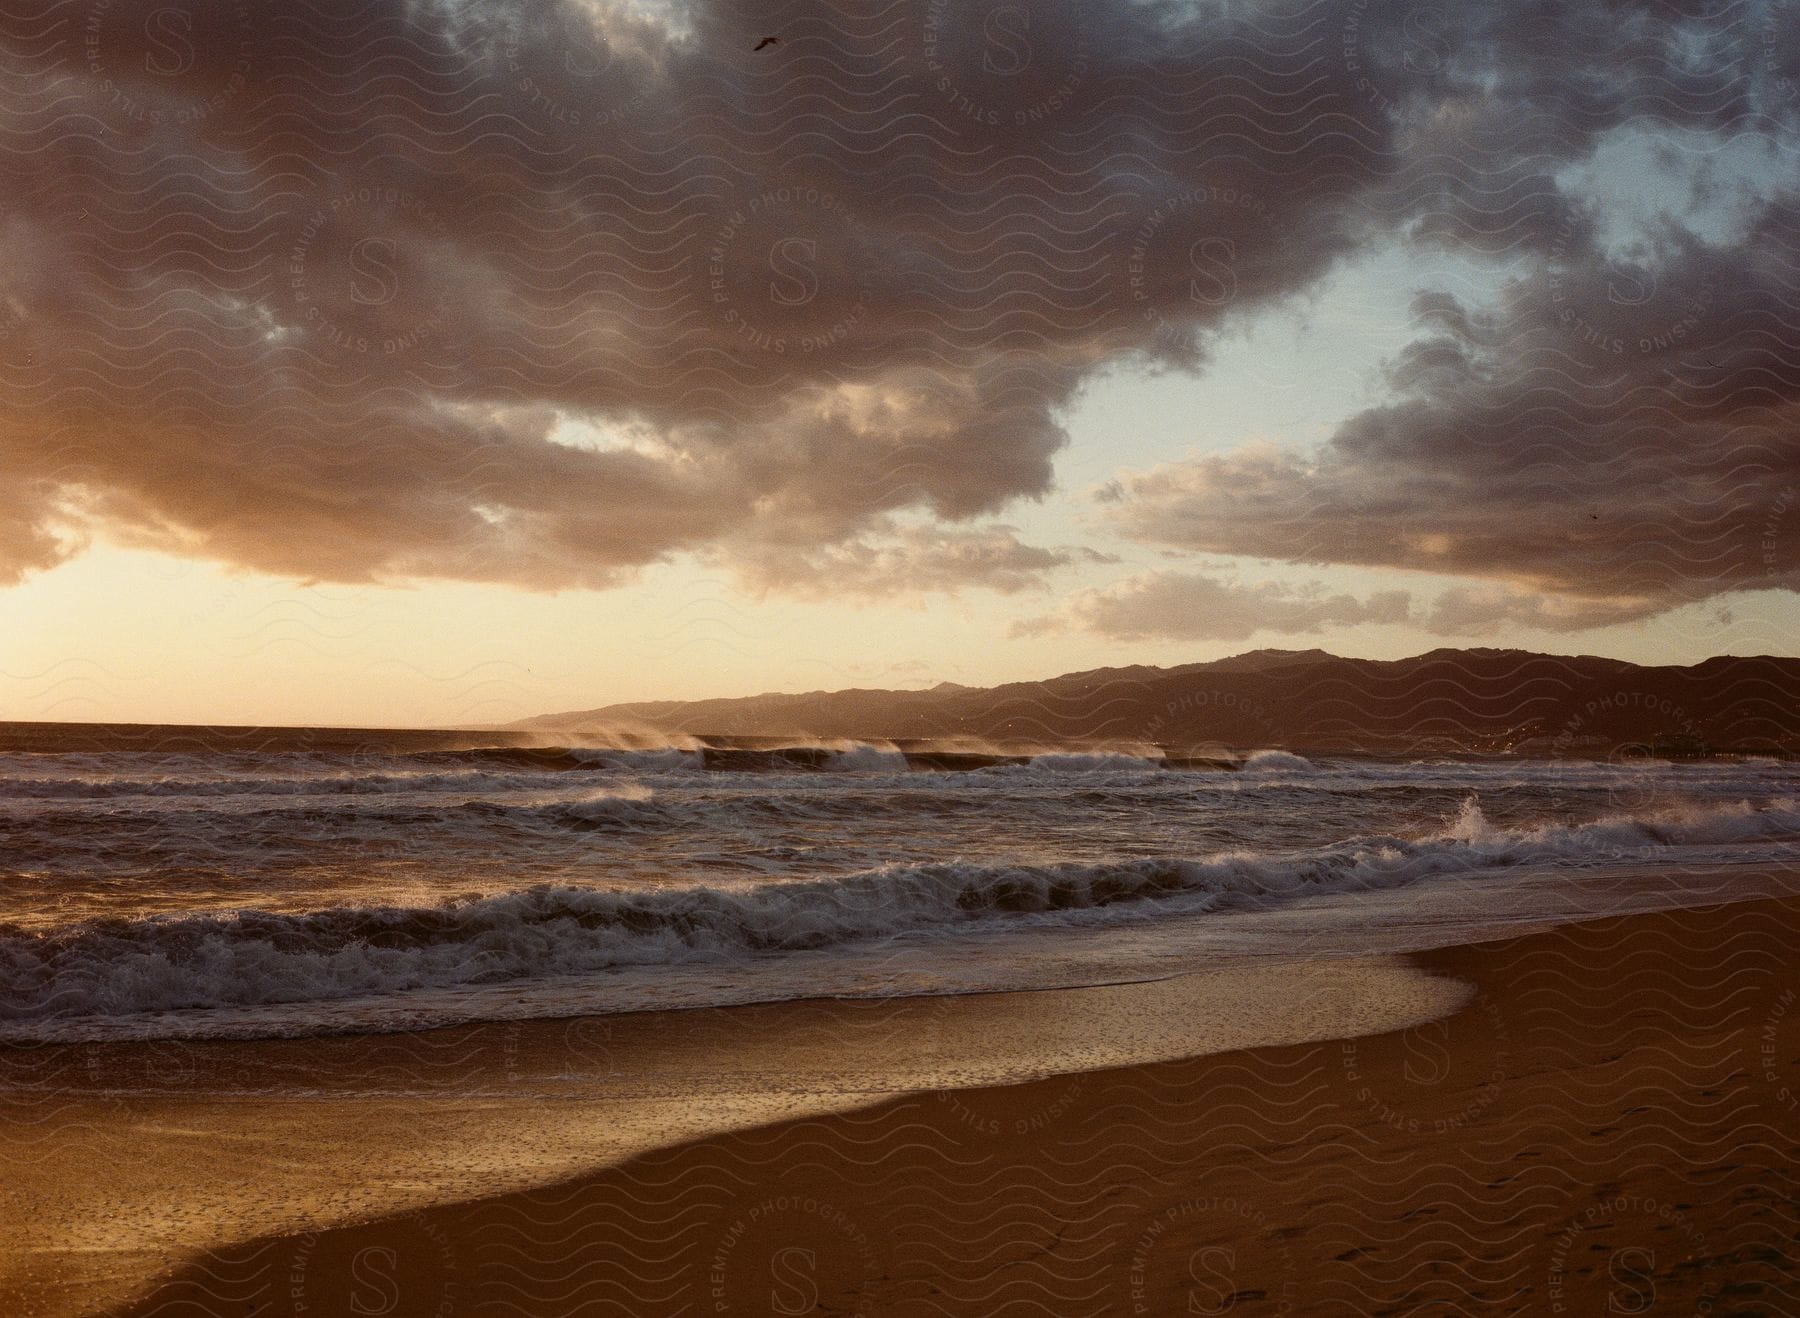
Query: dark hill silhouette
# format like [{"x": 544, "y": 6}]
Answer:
[{"x": 1476, "y": 700}]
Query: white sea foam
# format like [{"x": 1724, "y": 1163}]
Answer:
[
  {"x": 125, "y": 967},
  {"x": 667, "y": 759},
  {"x": 1087, "y": 762},
  {"x": 861, "y": 757},
  {"x": 1276, "y": 762}
]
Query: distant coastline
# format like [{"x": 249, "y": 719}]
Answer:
[
  {"x": 1480, "y": 702},
  {"x": 1475, "y": 701}
]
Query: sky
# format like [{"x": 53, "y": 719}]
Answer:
[{"x": 437, "y": 362}]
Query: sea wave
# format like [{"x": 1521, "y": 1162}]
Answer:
[
  {"x": 1276, "y": 762},
  {"x": 335, "y": 784},
  {"x": 1089, "y": 762},
  {"x": 98, "y": 776},
  {"x": 167, "y": 963},
  {"x": 863, "y": 757},
  {"x": 618, "y": 802}
]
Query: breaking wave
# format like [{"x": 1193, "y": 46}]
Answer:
[
  {"x": 1090, "y": 762},
  {"x": 1276, "y": 762},
  {"x": 163, "y": 963}
]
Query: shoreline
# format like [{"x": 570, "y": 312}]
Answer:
[
  {"x": 141, "y": 1155},
  {"x": 1620, "y": 1090},
  {"x": 1479, "y": 904}
]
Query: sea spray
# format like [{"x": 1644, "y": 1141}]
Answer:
[{"x": 177, "y": 962}]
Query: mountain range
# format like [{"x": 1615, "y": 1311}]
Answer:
[{"x": 1474, "y": 700}]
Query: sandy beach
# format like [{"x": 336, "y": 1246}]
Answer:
[
  {"x": 994, "y": 659},
  {"x": 1602, "y": 1113}
]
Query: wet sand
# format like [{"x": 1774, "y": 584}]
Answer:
[
  {"x": 126, "y": 1160},
  {"x": 1608, "y": 1116}
]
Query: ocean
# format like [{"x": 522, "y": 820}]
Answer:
[{"x": 160, "y": 883}]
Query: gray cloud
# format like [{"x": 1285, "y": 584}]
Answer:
[
  {"x": 313, "y": 290},
  {"x": 907, "y": 561},
  {"x": 1619, "y": 438},
  {"x": 1488, "y": 612},
  {"x": 1194, "y": 607}
]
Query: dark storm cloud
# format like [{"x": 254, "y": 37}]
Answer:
[
  {"x": 1621, "y": 437},
  {"x": 318, "y": 289}
]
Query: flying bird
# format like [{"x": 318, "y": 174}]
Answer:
[{"x": 766, "y": 41}]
